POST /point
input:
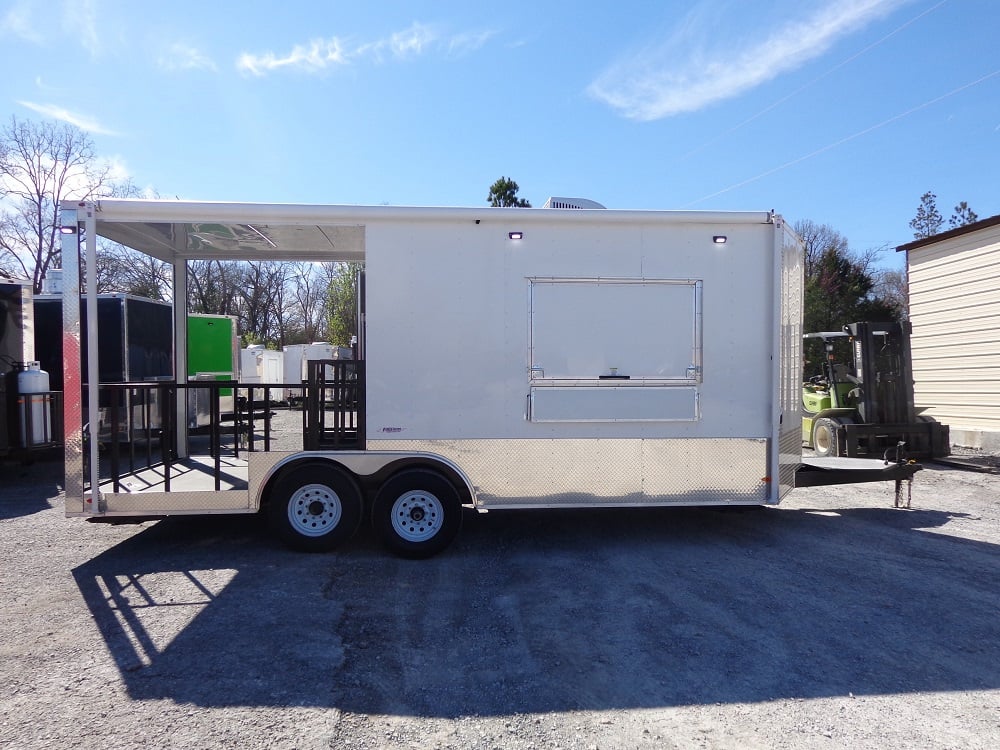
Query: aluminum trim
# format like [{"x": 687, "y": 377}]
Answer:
[
  {"x": 72, "y": 382},
  {"x": 585, "y": 472}
]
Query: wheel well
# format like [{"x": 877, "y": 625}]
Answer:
[
  {"x": 370, "y": 483},
  {"x": 285, "y": 469}
]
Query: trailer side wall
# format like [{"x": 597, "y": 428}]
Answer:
[{"x": 464, "y": 293}]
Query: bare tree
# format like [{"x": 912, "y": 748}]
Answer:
[
  {"x": 213, "y": 287},
  {"x": 891, "y": 285},
  {"x": 262, "y": 293},
  {"x": 42, "y": 164},
  {"x": 120, "y": 269},
  {"x": 841, "y": 286},
  {"x": 307, "y": 299},
  {"x": 819, "y": 239}
]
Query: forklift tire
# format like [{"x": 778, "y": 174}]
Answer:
[{"x": 824, "y": 438}]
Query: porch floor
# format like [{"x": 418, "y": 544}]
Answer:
[{"x": 193, "y": 474}]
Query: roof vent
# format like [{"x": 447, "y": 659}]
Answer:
[{"x": 571, "y": 203}]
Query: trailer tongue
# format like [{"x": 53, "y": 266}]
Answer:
[{"x": 820, "y": 472}]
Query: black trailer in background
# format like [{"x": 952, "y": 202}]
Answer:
[
  {"x": 135, "y": 346},
  {"x": 136, "y": 342}
]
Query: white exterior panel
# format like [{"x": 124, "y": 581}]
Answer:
[{"x": 464, "y": 292}]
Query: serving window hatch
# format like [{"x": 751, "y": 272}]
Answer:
[{"x": 615, "y": 332}]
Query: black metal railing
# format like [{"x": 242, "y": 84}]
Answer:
[
  {"x": 137, "y": 426},
  {"x": 334, "y": 414}
]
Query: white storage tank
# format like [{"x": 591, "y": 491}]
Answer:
[{"x": 34, "y": 405}]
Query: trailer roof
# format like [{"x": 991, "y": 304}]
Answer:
[{"x": 174, "y": 230}]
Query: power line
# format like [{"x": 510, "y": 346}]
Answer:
[
  {"x": 813, "y": 82},
  {"x": 848, "y": 138}
]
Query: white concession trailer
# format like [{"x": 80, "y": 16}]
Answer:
[{"x": 511, "y": 358}]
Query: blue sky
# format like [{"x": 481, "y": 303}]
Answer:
[{"x": 839, "y": 111}]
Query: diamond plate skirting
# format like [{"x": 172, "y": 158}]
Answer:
[{"x": 558, "y": 472}]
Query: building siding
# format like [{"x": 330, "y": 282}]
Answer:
[{"x": 954, "y": 292}]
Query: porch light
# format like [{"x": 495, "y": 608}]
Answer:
[
  {"x": 68, "y": 229},
  {"x": 719, "y": 239},
  {"x": 515, "y": 235}
]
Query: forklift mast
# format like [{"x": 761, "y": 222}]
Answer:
[
  {"x": 864, "y": 402},
  {"x": 882, "y": 365}
]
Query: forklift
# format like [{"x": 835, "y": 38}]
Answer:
[{"x": 857, "y": 396}]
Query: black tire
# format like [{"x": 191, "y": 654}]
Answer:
[
  {"x": 824, "y": 438},
  {"x": 417, "y": 513},
  {"x": 315, "y": 507}
]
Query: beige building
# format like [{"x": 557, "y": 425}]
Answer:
[{"x": 954, "y": 292}]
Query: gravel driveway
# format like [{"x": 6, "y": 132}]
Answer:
[{"x": 832, "y": 621}]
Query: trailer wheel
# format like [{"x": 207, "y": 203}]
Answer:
[
  {"x": 825, "y": 437},
  {"x": 417, "y": 513},
  {"x": 315, "y": 508}
]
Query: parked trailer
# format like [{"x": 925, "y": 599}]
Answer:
[
  {"x": 136, "y": 346},
  {"x": 265, "y": 367},
  {"x": 212, "y": 355},
  {"x": 581, "y": 358}
]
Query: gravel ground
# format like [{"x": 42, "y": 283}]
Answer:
[{"x": 832, "y": 621}]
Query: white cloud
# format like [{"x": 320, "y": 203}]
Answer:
[
  {"x": 468, "y": 42},
  {"x": 117, "y": 169},
  {"x": 321, "y": 54},
  {"x": 412, "y": 41},
  {"x": 79, "y": 19},
  {"x": 181, "y": 56},
  {"x": 699, "y": 64},
  {"x": 56, "y": 112},
  {"x": 19, "y": 21},
  {"x": 314, "y": 56},
  {"x": 32, "y": 20}
]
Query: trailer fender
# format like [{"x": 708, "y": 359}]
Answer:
[{"x": 369, "y": 468}]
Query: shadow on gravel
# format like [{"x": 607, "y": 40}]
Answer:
[
  {"x": 537, "y": 611},
  {"x": 26, "y": 486}
]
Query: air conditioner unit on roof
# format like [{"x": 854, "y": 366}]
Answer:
[{"x": 571, "y": 203}]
